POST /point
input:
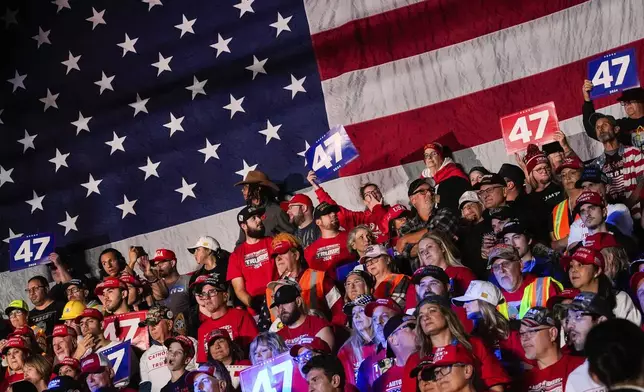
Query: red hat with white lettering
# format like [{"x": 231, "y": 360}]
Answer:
[
  {"x": 589, "y": 197},
  {"x": 302, "y": 199},
  {"x": 163, "y": 255},
  {"x": 110, "y": 282},
  {"x": 130, "y": 279},
  {"x": 589, "y": 256},
  {"x": 599, "y": 241},
  {"x": 15, "y": 342},
  {"x": 570, "y": 163},
  {"x": 61, "y": 331},
  {"x": 22, "y": 331},
  {"x": 444, "y": 356},
  {"x": 386, "y": 302},
  {"x": 313, "y": 344},
  {"x": 94, "y": 363},
  {"x": 534, "y": 157},
  {"x": 71, "y": 362},
  {"x": 90, "y": 312},
  {"x": 185, "y": 342}
]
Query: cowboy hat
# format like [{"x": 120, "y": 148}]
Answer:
[{"x": 257, "y": 177}]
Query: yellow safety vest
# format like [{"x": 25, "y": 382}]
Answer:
[
  {"x": 311, "y": 283},
  {"x": 535, "y": 294}
]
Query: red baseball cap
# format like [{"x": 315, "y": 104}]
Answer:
[
  {"x": 570, "y": 163},
  {"x": 90, "y": 312},
  {"x": 22, "y": 331},
  {"x": 110, "y": 282},
  {"x": 444, "y": 356},
  {"x": 635, "y": 281},
  {"x": 61, "y": 330},
  {"x": 563, "y": 295},
  {"x": 588, "y": 197},
  {"x": 163, "y": 255},
  {"x": 588, "y": 256},
  {"x": 185, "y": 342},
  {"x": 280, "y": 247},
  {"x": 131, "y": 279},
  {"x": 204, "y": 368},
  {"x": 599, "y": 241},
  {"x": 394, "y": 212},
  {"x": 301, "y": 198},
  {"x": 313, "y": 344},
  {"x": 68, "y": 361},
  {"x": 15, "y": 342},
  {"x": 94, "y": 363},
  {"x": 216, "y": 334},
  {"x": 386, "y": 302}
]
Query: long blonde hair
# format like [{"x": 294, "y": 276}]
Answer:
[
  {"x": 450, "y": 251},
  {"x": 455, "y": 328},
  {"x": 492, "y": 326}
]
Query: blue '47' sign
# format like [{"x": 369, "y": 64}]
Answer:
[
  {"x": 331, "y": 152},
  {"x": 30, "y": 250},
  {"x": 612, "y": 73},
  {"x": 119, "y": 357}
]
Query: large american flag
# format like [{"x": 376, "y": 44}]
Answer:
[{"x": 162, "y": 105}]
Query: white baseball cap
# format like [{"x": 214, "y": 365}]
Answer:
[
  {"x": 483, "y": 290},
  {"x": 205, "y": 242},
  {"x": 468, "y": 197}
]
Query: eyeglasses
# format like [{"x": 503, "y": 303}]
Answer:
[
  {"x": 505, "y": 265},
  {"x": 304, "y": 357},
  {"x": 541, "y": 170},
  {"x": 373, "y": 261},
  {"x": 209, "y": 294},
  {"x": 423, "y": 191},
  {"x": 431, "y": 155},
  {"x": 443, "y": 371},
  {"x": 72, "y": 290},
  {"x": 34, "y": 289},
  {"x": 488, "y": 191},
  {"x": 625, "y": 103},
  {"x": 15, "y": 313},
  {"x": 529, "y": 333}
]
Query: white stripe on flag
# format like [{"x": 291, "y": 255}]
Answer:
[{"x": 487, "y": 61}]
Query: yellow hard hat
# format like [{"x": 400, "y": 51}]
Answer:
[{"x": 72, "y": 310}]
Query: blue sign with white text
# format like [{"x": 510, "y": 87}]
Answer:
[
  {"x": 331, "y": 152},
  {"x": 612, "y": 73},
  {"x": 119, "y": 357},
  {"x": 30, "y": 250}
]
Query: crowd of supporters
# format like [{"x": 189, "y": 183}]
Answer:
[{"x": 527, "y": 279}]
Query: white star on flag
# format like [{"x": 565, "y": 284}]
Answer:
[
  {"x": 197, "y": 87},
  {"x": 257, "y": 66},
  {"x": 221, "y": 45},
  {"x": 235, "y": 105},
  {"x": 163, "y": 64},
  {"x": 271, "y": 131},
  {"x": 105, "y": 83},
  {"x": 42, "y": 37},
  {"x": 61, "y": 4},
  {"x": 116, "y": 143},
  {"x": 96, "y": 18},
  {"x": 210, "y": 151},
  {"x": 50, "y": 100},
  {"x": 303, "y": 153},
  {"x": 92, "y": 185},
  {"x": 69, "y": 223},
  {"x": 5, "y": 176},
  {"x": 36, "y": 202},
  {"x": 244, "y": 172},
  {"x": 18, "y": 81},
  {"x": 186, "y": 189},
  {"x": 71, "y": 62},
  {"x": 12, "y": 235},
  {"x": 59, "y": 160},
  {"x": 150, "y": 169},
  {"x": 27, "y": 142},
  {"x": 82, "y": 123},
  {"x": 139, "y": 105},
  {"x": 296, "y": 86},
  {"x": 128, "y": 45},
  {"x": 174, "y": 124},
  {"x": 245, "y": 6},
  {"x": 186, "y": 25},
  {"x": 127, "y": 207},
  {"x": 152, "y": 3},
  {"x": 281, "y": 24}
]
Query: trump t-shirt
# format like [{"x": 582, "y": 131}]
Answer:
[
  {"x": 309, "y": 328},
  {"x": 240, "y": 326},
  {"x": 324, "y": 254},
  {"x": 254, "y": 264}
]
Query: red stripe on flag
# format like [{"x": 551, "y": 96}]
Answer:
[
  {"x": 420, "y": 28},
  {"x": 472, "y": 119}
]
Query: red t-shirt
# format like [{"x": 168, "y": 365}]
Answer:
[
  {"x": 325, "y": 254},
  {"x": 239, "y": 324},
  {"x": 390, "y": 381},
  {"x": 411, "y": 301},
  {"x": 461, "y": 278},
  {"x": 351, "y": 362},
  {"x": 309, "y": 328},
  {"x": 552, "y": 378},
  {"x": 254, "y": 264}
]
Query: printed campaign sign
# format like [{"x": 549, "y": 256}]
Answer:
[
  {"x": 125, "y": 327},
  {"x": 536, "y": 125},
  {"x": 612, "y": 73},
  {"x": 30, "y": 250},
  {"x": 279, "y": 374},
  {"x": 331, "y": 152},
  {"x": 119, "y": 357}
]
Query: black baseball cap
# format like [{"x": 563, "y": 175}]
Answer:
[
  {"x": 430, "y": 270},
  {"x": 395, "y": 322},
  {"x": 479, "y": 169},
  {"x": 75, "y": 282},
  {"x": 513, "y": 173},
  {"x": 551, "y": 148},
  {"x": 501, "y": 212},
  {"x": 632, "y": 94},
  {"x": 594, "y": 174},
  {"x": 490, "y": 179},
  {"x": 248, "y": 212},
  {"x": 513, "y": 226},
  {"x": 285, "y": 295},
  {"x": 325, "y": 208},
  {"x": 63, "y": 384},
  {"x": 414, "y": 185},
  {"x": 596, "y": 116}
]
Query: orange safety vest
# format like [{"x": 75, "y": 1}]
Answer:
[
  {"x": 560, "y": 221},
  {"x": 535, "y": 294},
  {"x": 386, "y": 288},
  {"x": 311, "y": 283}
]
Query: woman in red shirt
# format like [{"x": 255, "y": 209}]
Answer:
[
  {"x": 438, "y": 326},
  {"x": 362, "y": 342}
]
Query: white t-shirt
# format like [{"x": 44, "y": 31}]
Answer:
[
  {"x": 625, "y": 308},
  {"x": 154, "y": 369},
  {"x": 579, "y": 381},
  {"x": 618, "y": 215}
]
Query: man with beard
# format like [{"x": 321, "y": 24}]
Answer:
[
  {"x": 114, "y": 295},
  {"x": 520, "y": 291},
  {"x": 250, "y": 267},
  {"x": 154, "y": 372},
  {"x": 330, "y": 250},
  {"x": 178, "y": 299},
  {"x": 296, "y": 323},
  {"x": 181, "y": 351},
  {"x": 546, "y": 193},
  {"x": 300, "y": 213},
  {"x": 237, "y": 322},
  {"x": 622, "y": 164},
  {"x": 46, "y": 311},
  {"x": 134, "y": 287},
  {"x": 539, "y": 335}
]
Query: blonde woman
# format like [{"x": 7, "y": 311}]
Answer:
[
  {"x": 362, "y": 342},
  {"x": 359, "y": 238},
  {"x": 37, "y": 371},
  {"x": 436, "y": 249}
]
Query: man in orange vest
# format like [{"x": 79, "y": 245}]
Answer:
[
  {"x": 563, "y": 214},
  {"x": 317, "y": 288}
]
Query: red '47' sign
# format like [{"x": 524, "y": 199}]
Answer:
[
  {"x": 536, "y": 125},
  {"x": 124, "y": 327}
]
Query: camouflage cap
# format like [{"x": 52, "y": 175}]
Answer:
[{"x": 155, "y": 314}]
